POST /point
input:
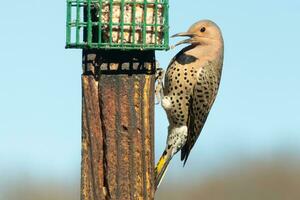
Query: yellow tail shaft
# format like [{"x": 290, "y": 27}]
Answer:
[{"x": 161, "y": 168}]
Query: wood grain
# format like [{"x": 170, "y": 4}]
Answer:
[{"x": 118, "y": 125}]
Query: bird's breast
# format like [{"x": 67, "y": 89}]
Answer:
[{"x": 179, "y": 82}]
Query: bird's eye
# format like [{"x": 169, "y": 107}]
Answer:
[{"x": 203, "y": 29}]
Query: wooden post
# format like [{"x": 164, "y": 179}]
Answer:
[{"x": 117, "y": 125}]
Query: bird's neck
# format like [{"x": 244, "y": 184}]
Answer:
[{"x": 209, "y": 51}]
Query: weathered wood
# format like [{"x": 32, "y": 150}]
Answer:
[
  {"x": 118, "y": 125},
  {"x": 92, "y": 153}
]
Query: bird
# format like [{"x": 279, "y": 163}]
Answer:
[{"x": 190, "y": 86}]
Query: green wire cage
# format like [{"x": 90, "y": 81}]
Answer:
[{"x": 118, "y": 24}]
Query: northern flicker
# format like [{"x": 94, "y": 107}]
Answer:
[{"x": 190, "y": 87}]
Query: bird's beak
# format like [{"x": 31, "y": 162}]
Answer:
[{"x": 185, "y": 34}]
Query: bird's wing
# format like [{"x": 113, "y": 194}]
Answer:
[{"x": 200, "y": 102}]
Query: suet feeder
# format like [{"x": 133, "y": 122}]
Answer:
[{"x": 118, "y": 24}]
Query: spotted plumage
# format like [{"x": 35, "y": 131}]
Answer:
[{"x": 190, "y": 87}]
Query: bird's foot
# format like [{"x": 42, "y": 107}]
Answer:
[{"x": 159, "y": 84}]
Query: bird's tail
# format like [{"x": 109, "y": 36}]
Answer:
[{"x": 162, "y": 167}]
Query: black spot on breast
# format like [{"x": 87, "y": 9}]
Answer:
[{"x": 184, "y": 59}]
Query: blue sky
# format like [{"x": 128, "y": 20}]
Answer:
[{"x": 256, "y": 112}]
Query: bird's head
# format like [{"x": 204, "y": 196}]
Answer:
[{"x": 204, "y": 32}]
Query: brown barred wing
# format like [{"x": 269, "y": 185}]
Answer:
[{"x": 201, "y": 100}]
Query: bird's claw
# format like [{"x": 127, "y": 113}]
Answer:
[{"x": 159, "y": 84}]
